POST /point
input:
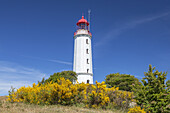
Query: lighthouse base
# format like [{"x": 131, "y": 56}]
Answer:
[{"x": 85, "y": 77}]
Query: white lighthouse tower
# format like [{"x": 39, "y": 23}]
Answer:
[{"x": 83, "y": 52}]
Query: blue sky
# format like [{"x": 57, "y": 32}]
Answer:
[{"x": 36, "y": 38}]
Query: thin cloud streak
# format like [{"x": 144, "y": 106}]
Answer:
[
  {"x": 50, "y": 60},
  {"x": 62, "y": 62},
  {"x": 129, "y": 25},
  {"x": 18, "y": 70}
]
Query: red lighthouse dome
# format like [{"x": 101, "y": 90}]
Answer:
[{"x": 82, "y": 21}]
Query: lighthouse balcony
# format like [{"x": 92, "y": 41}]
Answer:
[{"x": 82, "y": 31}]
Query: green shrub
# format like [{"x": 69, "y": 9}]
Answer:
[
  {"x": 153, "y": 95},
  {"x": 70, "y": 75},
  {"x": 123, "y": 81}
]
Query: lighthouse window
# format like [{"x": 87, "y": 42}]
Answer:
[
  {"x": 87, "y": 51},
  {"x": 87, "y": 41},
  {"x": 87, "y": 61},
  {"x": 87, "y": 70}
]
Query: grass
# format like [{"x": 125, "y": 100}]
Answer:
[{"x": 7, "y": 107}]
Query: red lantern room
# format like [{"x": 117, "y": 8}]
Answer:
[{"x": 83, "y": 24}]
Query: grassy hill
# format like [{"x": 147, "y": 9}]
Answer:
[{"x": 6, "y": 107}]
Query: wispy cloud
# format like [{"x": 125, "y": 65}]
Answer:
[
  {"x": 62, "y": 62},
  {"x": 129, "y": 25},
  {"x": 12, "y": 74},
  {"x": 50, "y": 60}
]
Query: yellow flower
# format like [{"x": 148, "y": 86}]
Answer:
[{"x": 136, "y": 109}]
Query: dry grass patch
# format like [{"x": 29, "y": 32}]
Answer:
[{"x": 7, "y": 107}]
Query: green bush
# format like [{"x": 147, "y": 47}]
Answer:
[
  {"x": 123, "y": 81},
  {"x": 70, "y": 75},
  {"x": 153, "y": 94}
]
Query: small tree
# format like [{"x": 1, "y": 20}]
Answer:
[
  {"x": 152, "y": 95},
  {"x": 42, "y": 81},
  {"x": 72, "y": 76},
  {"x": 123, "y": 81}
]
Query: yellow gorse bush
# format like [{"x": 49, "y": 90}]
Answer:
[
  {"x": 65, "y": 93},
  {"x": 136, "y": 109}
]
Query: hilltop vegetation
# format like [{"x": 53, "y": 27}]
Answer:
[
  {"x": 63, "y": 92},
  {"x": 123, "y": 81},
  {"x": 152, "y": 95},
  {"x": 70, "y": 75},
  {"x": 18, "y": 107}
]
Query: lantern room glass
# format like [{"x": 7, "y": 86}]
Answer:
[{"x": 82, "y": 26}]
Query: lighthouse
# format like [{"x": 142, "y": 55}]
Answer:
[{"x": 83, "y": 52}]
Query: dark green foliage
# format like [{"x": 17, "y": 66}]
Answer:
[
  {"x": 153, "y": 94},
  {"x": 168, "y": 85},
  {"x": 123, "y": 81},
  {"x": 42, "y": 81},
  {"x": 72, "y": 76}
]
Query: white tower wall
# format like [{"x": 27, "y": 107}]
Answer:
[{"x": 83, "y": 56}]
